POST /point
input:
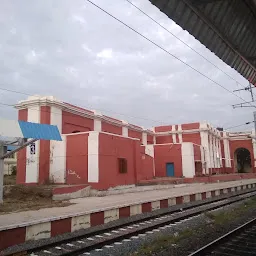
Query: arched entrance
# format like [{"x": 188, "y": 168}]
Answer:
[{"x": 242, "y": 160}]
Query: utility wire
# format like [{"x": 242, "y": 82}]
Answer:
[
  {"x": 239, "y": 125},
  {"x": 198, "y": 53},
  {"x": 166, "y": 51}
]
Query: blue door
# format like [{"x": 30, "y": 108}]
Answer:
[{"x": 170, "y": 169}]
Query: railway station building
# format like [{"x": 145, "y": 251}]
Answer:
[{"x": 106, "y": 152}]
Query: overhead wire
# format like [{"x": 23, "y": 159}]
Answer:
[
  {"x": 231, "y": 127},
  {"x": 166, "y": 51},
  {"x": 191, "y": 48}
]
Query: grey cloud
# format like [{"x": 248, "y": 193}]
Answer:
[{"x": 53, "y": 48}]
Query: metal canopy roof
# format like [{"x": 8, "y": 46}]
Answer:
[{"x": 226, "y": 27}]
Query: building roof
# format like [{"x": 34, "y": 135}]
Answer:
[{"x": 225, "y": 27}]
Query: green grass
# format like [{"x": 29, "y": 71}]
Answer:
[
  {"x": 223, "y": 216},
  {"x": 163, "y": 242}
]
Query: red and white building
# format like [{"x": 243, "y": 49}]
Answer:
[{"x": 105, "y": 152}]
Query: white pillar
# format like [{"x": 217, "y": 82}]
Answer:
[
  {"x": 32, "y": 166},
  {"x": 144, "y": 138},
  {"x": 93, "y": 157},
  {"x": 205, "y": 144},
  {"x": 174, "y": 134},
  {"x": 57, "y": 172},
  {"x": 124, "y": 128},
  {"x": 180, "y": 134},
  {"x": 226, "y": 150},
  {"x": 188, "y": 159},
  {"x": 97, "y": 121}
]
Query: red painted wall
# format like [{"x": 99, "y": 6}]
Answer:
[
  {"x": 192, "y": 137},
  {"x": 135, "y": 134},
  {"x": 235, "y": 144},
  {"x": 166, "y": 128},
  {"x": 110, "y": 128},
  {"x": 44, "y": 157},
  {"x": 147, "y": 166},
  {"x": 72, "y": 122},
  {"x": 197, "y": 152},
  {"x": 77, "y": 159},
  {"x": 168, "y": 154},
  {"x": 190, "y": 126},
  {"x": 164, "y": 139},
  {"x": 22, "y": 154},
  {"x": 150, "y": 139},
  {"x": 110, "y": 149}
]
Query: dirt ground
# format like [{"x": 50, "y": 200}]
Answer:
[
  {"x": 9, "y": 179},
  {"x": 23, "y": 198}
]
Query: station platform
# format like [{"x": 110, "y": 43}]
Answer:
[{"x": 17, "y": 228}]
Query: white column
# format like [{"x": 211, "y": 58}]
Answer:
[
  {"x": 226, "y": 150},
  {"x": 97, "y": 121},
  {"x": 32, "y": 165},
  {"x": 57, "y": 173},
  {"x": 93, "y": 157},
  {"x": 202, "y": 150},
  {"x": 180, "y": 134},
  {"x": 205, "y": 144},
  {"x": 174, "y": 134},
  {"x": 188, "y": 159},
  {"x": 125, "y": 128},
  {"x": 144, "y": 138},
  {"x": 211, "y": 151}
]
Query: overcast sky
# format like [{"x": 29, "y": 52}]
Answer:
[{"x": 77, "y": 53}]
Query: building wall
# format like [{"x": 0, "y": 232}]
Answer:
[
  {"x": 72, "y": 122},
  {"x": 235, "y": 144},
  {"x": 135, "y": 134},
  {"x": 110, "y": 149},
  {"x": 164, "y": 139},
  {"x": 192, "y": 137},
  {"x": 22, "y": 154},
  {"x": 147, "y": 169},
  {"x": 106, "y": 127},
  {"x": 77, "y": 159},
  {"x": 168, "y": 153},
  {"x": 44, "y": 155}
]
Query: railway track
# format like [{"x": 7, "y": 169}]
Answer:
[
  {"x": 89, "y": 244},
  {"x": 238, "y": 242}
]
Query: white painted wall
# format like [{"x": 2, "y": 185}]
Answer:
[
  {"x": 124, "y": 129},
  {"x": 93, "y": 157},
  {"x": 149, "y": 150},
  {"x": 32, "y": 165},
  {"x": 174, "y": 135},
  {"x": 202, "y": 150},
  {"x": 188, "y": 160},
  {"x": 144, "y": 138},
  {"x": 97, "y": 125},
  {"x": 205, "y": 144},
  {"x": 57, "y": 172},
  {"x": 226, "y": 152},
  {"x": 180, "y": 134},
  {"x": 58, "y": 160}
]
